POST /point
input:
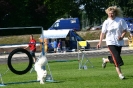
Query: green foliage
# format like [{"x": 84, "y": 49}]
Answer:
[
  {"x": 95, "y": 9},
  {"x": 15, "y": 13},
  {"x": 19, "y": 31},
  {"x": 67, "y": 75}
]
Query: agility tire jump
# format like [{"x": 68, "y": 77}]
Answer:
[{"x": 10, "y": 64}]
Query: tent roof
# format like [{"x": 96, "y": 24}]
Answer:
[{"x": 55, "y": 33}]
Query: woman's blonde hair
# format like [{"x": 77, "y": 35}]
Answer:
[{"x": 117, "y": 10}]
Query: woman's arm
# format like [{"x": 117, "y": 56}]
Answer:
[
  {"x": 101, "y": 38},
  {"x": 122, "y": 35}
]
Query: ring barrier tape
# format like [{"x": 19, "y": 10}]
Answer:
[{"x": 29, "y": 64}]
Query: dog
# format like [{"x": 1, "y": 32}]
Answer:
[{"x": 40, "y": 69}]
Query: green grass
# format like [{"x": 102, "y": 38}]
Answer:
[
  {"x": 67, "y": 75},
  {"x": 17, "y": 39}
]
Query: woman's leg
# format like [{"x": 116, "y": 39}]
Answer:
[
  {"x": 118, "y": 69},
  {"x": 116, "y": 58},
  {"x": 105, "y": 61}
]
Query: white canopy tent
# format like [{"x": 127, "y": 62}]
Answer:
[{"x": 55, "y": 33}]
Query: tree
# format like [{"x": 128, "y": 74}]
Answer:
[
  {"x": 38, "y": 12},
  {"x": 95, "y": 9},
  {"x": 5, "y": 9},
  {"x": 61, "y": 9}
]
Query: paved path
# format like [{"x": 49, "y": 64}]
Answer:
[
  {"x": 69, "y": 55},
  {"x": 91, "y": 53}
]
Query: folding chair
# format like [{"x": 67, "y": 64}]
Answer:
[{"x": 84, "y": 59}]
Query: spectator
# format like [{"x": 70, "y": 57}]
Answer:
[
  {"x": 55, "y": 45},
  {"x": 45, "y": 44},
  {"x": 63, "y": 46},
  {"x": 59, "y": 48},
  {"x": 32, "y": 47}
]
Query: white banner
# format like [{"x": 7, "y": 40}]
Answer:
[{"x": 55, "y": 33}]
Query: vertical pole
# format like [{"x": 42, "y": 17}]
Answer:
[
  {"x": 78, "y": 54},
  {"x": 1, "y": 78},
  {"x": 43, "y": 52}
]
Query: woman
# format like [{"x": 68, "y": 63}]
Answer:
[{"x": 115, "y": 29}]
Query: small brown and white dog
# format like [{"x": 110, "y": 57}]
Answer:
[{"x": 40, "y": 69}]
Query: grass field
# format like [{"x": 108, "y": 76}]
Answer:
[{"x": 67, "y": 75}]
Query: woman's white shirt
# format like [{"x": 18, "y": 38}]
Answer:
[{"x": 113, "y": 30}]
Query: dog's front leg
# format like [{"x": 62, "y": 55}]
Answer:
[{"x": 42, "y": 80}]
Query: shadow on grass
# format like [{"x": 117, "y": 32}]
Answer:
[
  {"x": 128, "y": 77},
  {"x": 10, "y": 83},
  {"x": 32, "y": 81},
  {"x": 62, "y": 61}
]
